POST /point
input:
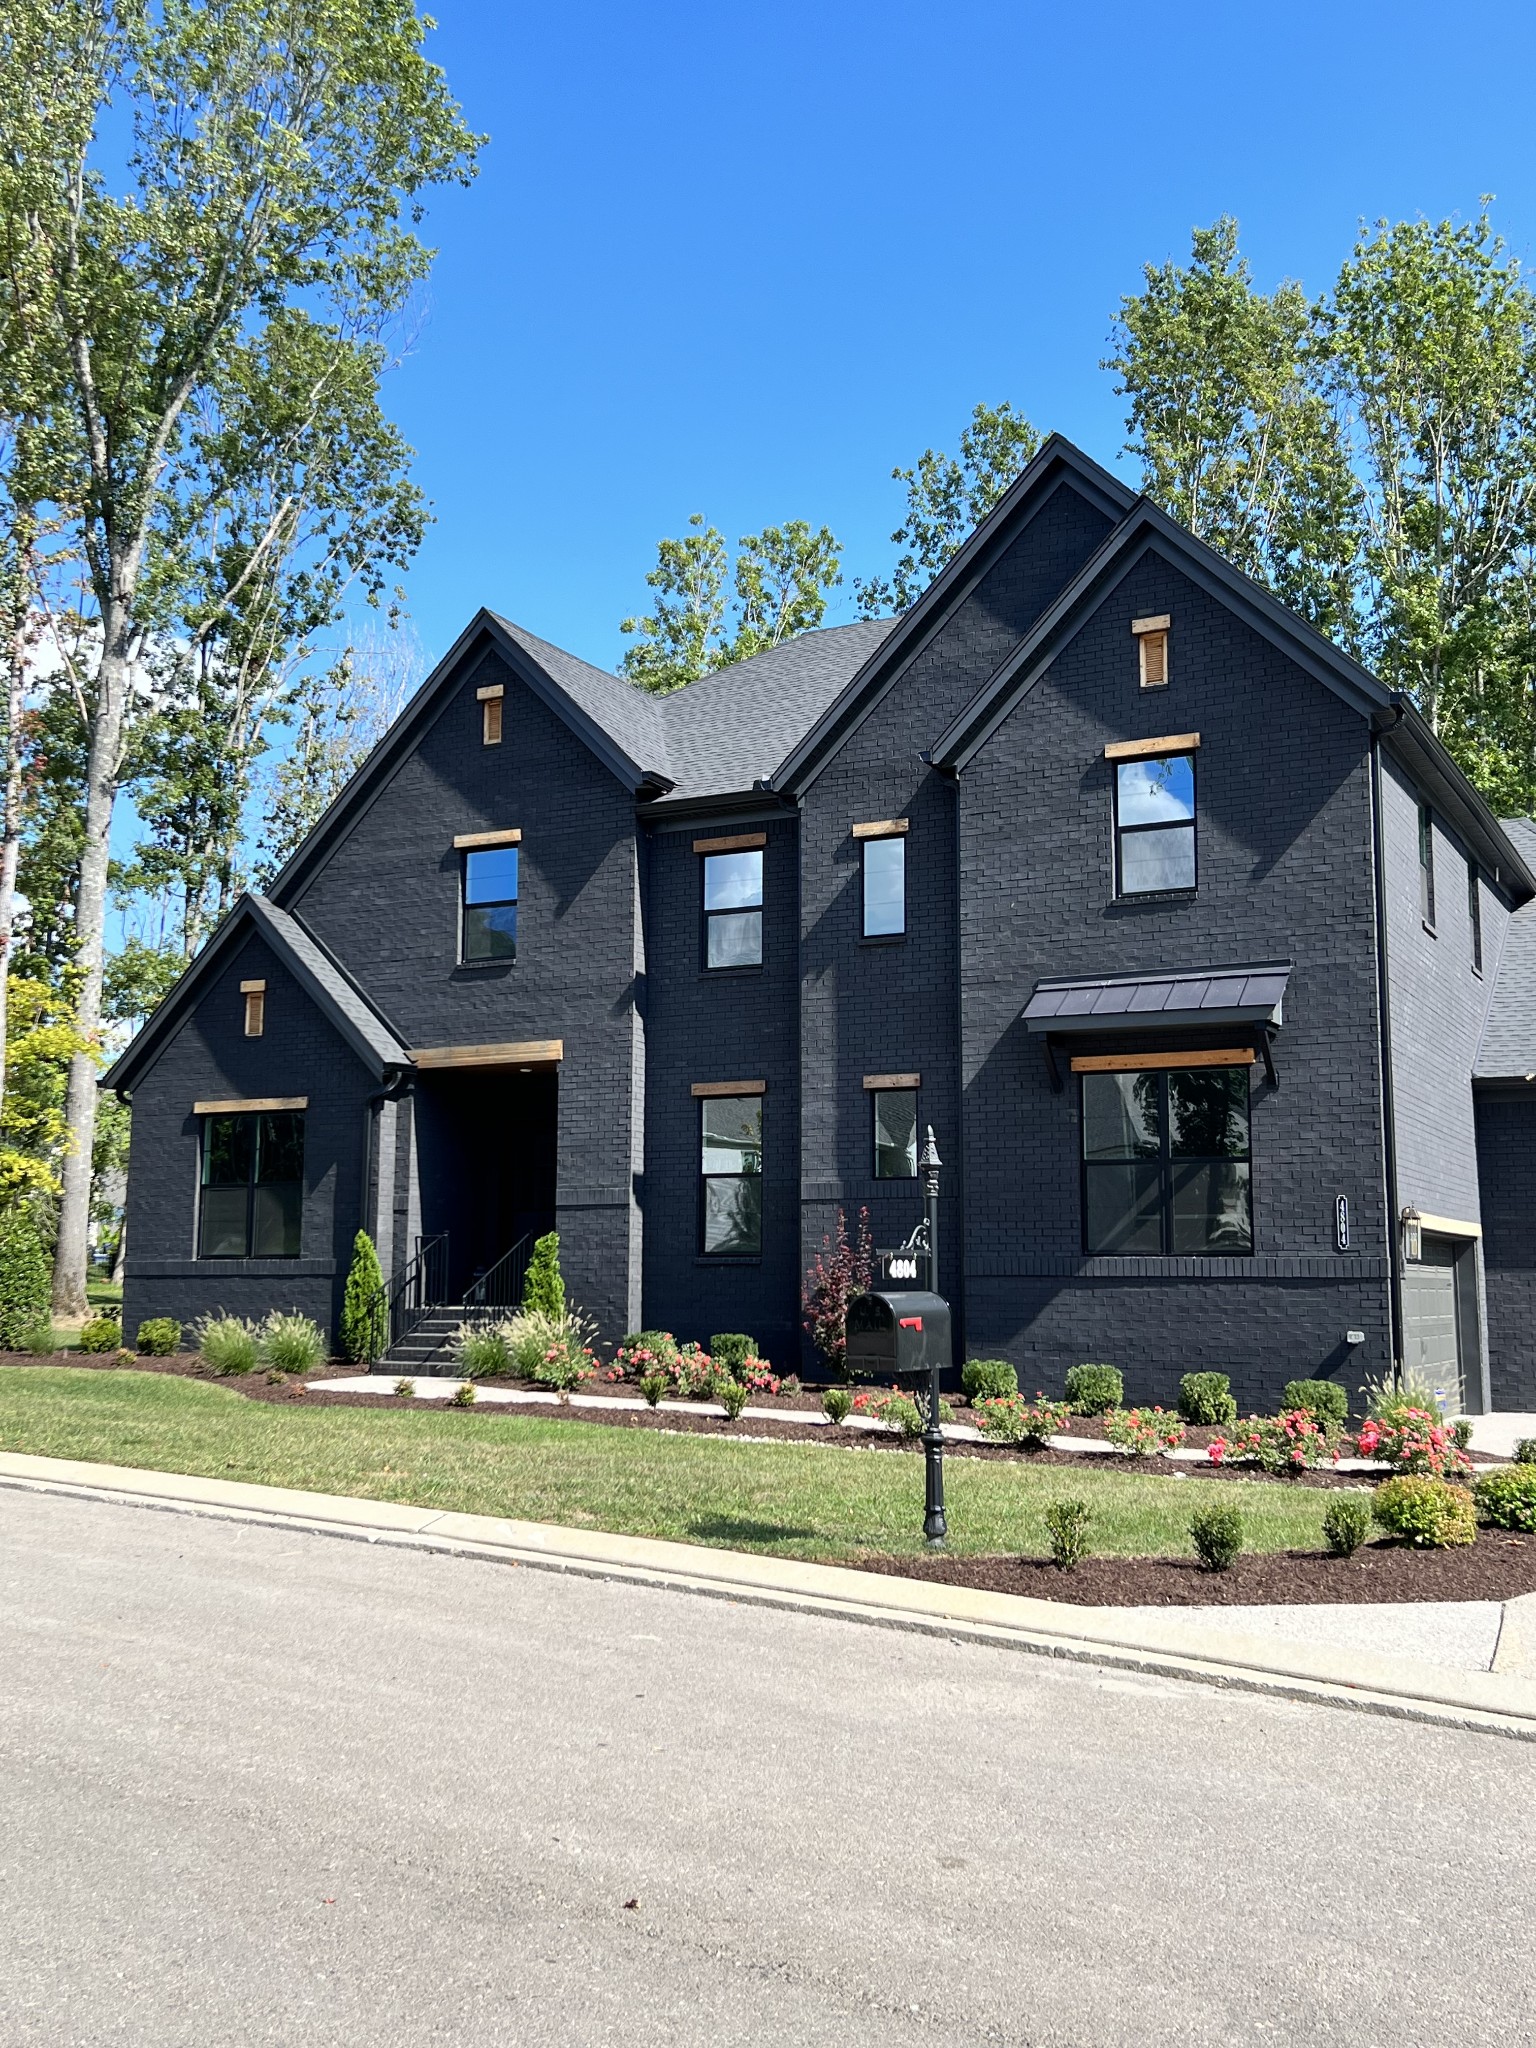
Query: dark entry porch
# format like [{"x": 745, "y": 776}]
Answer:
[{"x": 486, "y": 1143}]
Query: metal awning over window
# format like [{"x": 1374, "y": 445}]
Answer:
[{"x": 1189, "y": 999}]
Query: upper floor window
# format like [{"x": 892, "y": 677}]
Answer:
[
  {"x": 895, "y": 1133},
  {"x": 733, "y": 908},
  {"x": 731, "y": 1176},
  {"x": 1166, "y": 1161},
  {"x": 1152, "y": 649},
  {"x": 490, "y": 903},
  {"x": 1155, "y": 824},
  {"x": 1475, "y": 916},
  {"x": 1427, "y": 865},
  {"x": 885, "y": 887},
  {"x": 490, "y": 699},
  {"x": 252, "y": 1203},
  {"x": 255, "y": 994}
]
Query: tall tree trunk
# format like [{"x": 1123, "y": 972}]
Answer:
[
  {"x": 105, "y": 758},
  {"x": 10, "y": 823}
]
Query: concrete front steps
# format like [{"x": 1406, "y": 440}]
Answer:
[{"x": 426, "y": 1349}]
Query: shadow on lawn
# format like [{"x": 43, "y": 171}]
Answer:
[{"x": 730, "y": 1529}]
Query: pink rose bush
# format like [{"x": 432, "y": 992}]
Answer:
[
  {"x": 1288, "y": 1442},
  {"x": 1413, "y": 1440}
]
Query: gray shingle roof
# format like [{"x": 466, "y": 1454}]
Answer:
[
  {"x": 1209, "y": 995},
  {"x": 333, "y": 988},
  {"x": 629, "y": 716},
  {"x": 1508, "y": 1050}
]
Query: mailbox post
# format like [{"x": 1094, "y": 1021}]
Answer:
[{"x": 935, "y": 1527}]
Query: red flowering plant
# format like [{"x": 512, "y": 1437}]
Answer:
[
  {"x": 1288, "y": 1442},
  {"x": 841, "y": 1271},
  {"x": 694, "y": 1374},
  {"x": 1412, "y": 1440},
  {"x": 643, "y": 1352},
  {"x": 1141, "y": 1431},
  {"x": 759, "y": 1377},
  {"x": 1012, "y": 1420}
]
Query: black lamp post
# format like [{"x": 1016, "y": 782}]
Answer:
[{"x": 935, "y": 1528}]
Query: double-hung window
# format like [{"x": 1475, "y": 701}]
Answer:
[
  {"x": 885, "y": 887},
  {"x": 731, "y": 1176},
  {"x": 733, "y": 908},
  {"x": 1154, "y": 824},
  {"x": 895, "y": 1133},
  {"x": 252, "y": 1186},
  {"x": 1166, "y": 1161},
  {"x": 490, "y": 903}
]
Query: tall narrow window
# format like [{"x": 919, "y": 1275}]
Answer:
[
  {"x": 1475, "y": 916},
  {"x": 1166, "y": 1162},
  {"x": 1427, "y": 865},
  {"x": 731, "y": 1176},
  {"x": 733, "y": 909},
  {"x": 253, "y": 1186},
  {"x": 1155, "y": 824},
  {"x": 490, "y": 715},
  {"x": 885, "y": 888},
  {"x": 895, "y": 1133},
  {"x": 255, "y": 993},
  {"x": 490, "y": 904}
]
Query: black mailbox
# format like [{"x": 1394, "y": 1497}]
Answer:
[{"x": 897, "y": 1336}]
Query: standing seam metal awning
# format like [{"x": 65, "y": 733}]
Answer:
[{"x": 1180, "y": 1000}]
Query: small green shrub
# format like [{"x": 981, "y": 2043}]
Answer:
[
  {"x": 790, "y": 1384},
  {"x": 25, "y": 1280},
  {"x": 1428, "y": 1513},
  {"x": 1525, "y": 1451},
  {"x": 226, "y": 1343},
  {"x": 652, "y": 1386},
  {"x": 291, "y": 1342},
  {"x": 101, "y": 1333},
  {"x": 1461, "y": 1434},
  {"x": 276, "y": 1379},
  {"x": 543, "y": 1288},
  {"x": 363, "y": 1307},
  {"x": 159, "y": 1337},
  {"x": 39, "y": 1340},
  {"x": 1095, "y": 1389},
  {"x": 1066, "y": 1524},
  {"x": 988, "y": 1379},
  {"x": 406, "y": 1389},
  {"x": 1217, "y": 1534},
  {"x": 1324, "y": 1402},
  {"x": 480, "y": 1352},
  {"x": 733, "y": 1398},
  {"x": 730, "y": 1349},
  {"x": 1346, "y": 1523},
  {"x": 837, "y": 1403},
  {"x": 1506, "y": 1498},
  {"x": 1205, "y": 1399},
  {"x": 464, "y": 1395}
]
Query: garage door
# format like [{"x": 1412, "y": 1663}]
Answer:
[{"x": 1431, "y": 1350}]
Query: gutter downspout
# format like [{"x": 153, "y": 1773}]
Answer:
[{"x": 1384, "y": 1012}]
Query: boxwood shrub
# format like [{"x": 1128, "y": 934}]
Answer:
[
  {"x": 1346, "y": 1523},
  {"x": 1431, "y": 1514},
  {"x": 1217, "y": 1534},
  {"x": 730, "y": 1349},
  {"x": 159, "y": 1337},
  {"x": 1327, "y": 1403},
  {"x": 1506, "y": 1498},
  {"x": 101, "y": 1333},
  {"x": 1095, "y": 1389},
  {"x": 1205, "y": 1398},
  {"x": 988, "y": 1379}
]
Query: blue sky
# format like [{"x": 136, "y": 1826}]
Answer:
[{"x": 743, "y": 260}]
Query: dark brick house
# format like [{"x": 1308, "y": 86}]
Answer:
[{"x": 1210, "y": 970}]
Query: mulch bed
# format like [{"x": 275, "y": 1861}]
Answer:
[{"x": 1497, "y": 1567}]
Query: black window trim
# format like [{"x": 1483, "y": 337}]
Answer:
[
  {"x": 1183, "y": 889},
  {"x": 1475, "y": 915},
  {"x": 707, "y": 916},
  {"x": 701, "y": 1109},
  {"x": 874, "y": 1094},
  {"x": 466, "y": 959},
  {"x": 865, "y": 843},
  {"x": 1427, "y": 866},
  {"x": 1165, "y": 1160},
  {"x": 206, "y": 1118}
]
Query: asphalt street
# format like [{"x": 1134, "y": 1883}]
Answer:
[{"x": 265, "y": 1787}]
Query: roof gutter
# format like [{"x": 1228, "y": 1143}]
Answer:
[{"x": 1413, "y": 741}]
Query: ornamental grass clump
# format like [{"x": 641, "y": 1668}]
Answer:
[
  {"x": 1010, "y": 1420},
  {"x": 1413, "y": 1440},
  {"x": 1094, "y": 1389},
  {"x": 652, "y": 1386},
  {"x": 732, "y": 1396},
  {"x": 464, "y": 1395},
  {"x": 1141, "y": 1431},
  {"x": 1217, "y": 1535},
  {"x": 988, "y": 1379},
  {"x": 159, "y": 1337},
  {"x": 837, "y": 1404},
  {"x": 101, "y": 1333},
  {"x": 1285, "y": 1443},
  {"x": 1205, "y": 1399},
  {"x": 227, "y": 1344},
  {"x": 1067, "y": 1523},
  {"x": 479, "y": 1351},
  {"x": 1328, "y": 1403},
  {"x": 406, "y": 1389},
  {"x": 552, "y": 1350},
  {"x": 293, "y": 1343},
  {"x": 1506, "y": 1498},
  {"x": 1346, "y": 1523},
  {"x": 1425, "y": 1512}
]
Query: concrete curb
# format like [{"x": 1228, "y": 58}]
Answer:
[{"x": 1502, "y": 1701}]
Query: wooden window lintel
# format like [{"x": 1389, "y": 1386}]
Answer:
[
  {"x": 245, "y": 1105},
  {"x": 879, "y": 1081},
  {"x": 881, "y": 828},
  {"x": 736, "y": 842},
  {"x": 1147, "y": 750},
  {"x": 513, "y": 836},
  {"x": 1146, "y": 1062},
  {"x": 1161, "y": 623},
  {"x": 490, "y": 693},
  {"x": 253, "y": 988},
  {"x": 703, "y": 1088}
]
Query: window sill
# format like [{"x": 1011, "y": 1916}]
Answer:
[
  {"x": 725, "y": 1259},
  {"x": 1429, "y": 927},
  {"x": 730, "y": 973},
  {"x": 484, "y": 966},
  {"x": 1155, "y": 896},
  {"x": 883, "y": 939}
]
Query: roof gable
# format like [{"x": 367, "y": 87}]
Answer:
[{"x": 323, "y": 979}]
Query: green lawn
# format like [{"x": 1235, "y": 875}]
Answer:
[{"x": 794, "y": 1499}]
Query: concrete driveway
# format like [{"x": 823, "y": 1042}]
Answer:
[{"x": 265, "y": 1787}]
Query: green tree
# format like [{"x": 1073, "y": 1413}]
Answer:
[
  {"x": 543, "y": 1287},
  {"x": 362, "y": 1306},
  {"x": 275, "y": 156},
  {"x": 780, "y": 581},
  {"x": 947, "y": 499}
]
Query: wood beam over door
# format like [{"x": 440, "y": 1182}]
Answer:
[
  {"x": 1142, "y": 1062},
  {"x": 522, "y": 1052},
  {"x": 246, "y": 1105}
]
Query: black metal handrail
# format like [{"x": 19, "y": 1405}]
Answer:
[
  {"x": 401, "y": 1304},
  {"x": 501, "y": 1285}
]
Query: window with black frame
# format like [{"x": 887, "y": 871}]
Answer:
[
  {"x": 895, "y": 1133},
  {"x": 1166, "y": 1162},
  {"x": 885, "y": 888},
  {"x": 1155, "y": 825},
  {"x": 490, "y": 903},
  {"x": 252, "y": 1203},
  {"x": 731, "y": 1176},
  {"x": 733, "y": 909}
]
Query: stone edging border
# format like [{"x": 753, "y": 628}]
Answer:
[{"x": 1501, "y": 1701}]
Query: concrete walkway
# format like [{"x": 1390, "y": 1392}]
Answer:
[
  {"x": 1200, "y": 1644},
  {"x": 1497, "y": 1435}
]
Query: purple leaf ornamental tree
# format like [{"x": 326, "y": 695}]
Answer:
[{"x": 841, "y": 1271}]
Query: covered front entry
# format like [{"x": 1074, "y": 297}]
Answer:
[
  {"x": 1440, "y": 1343},
  {"x": 485, "y": 1148}
]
